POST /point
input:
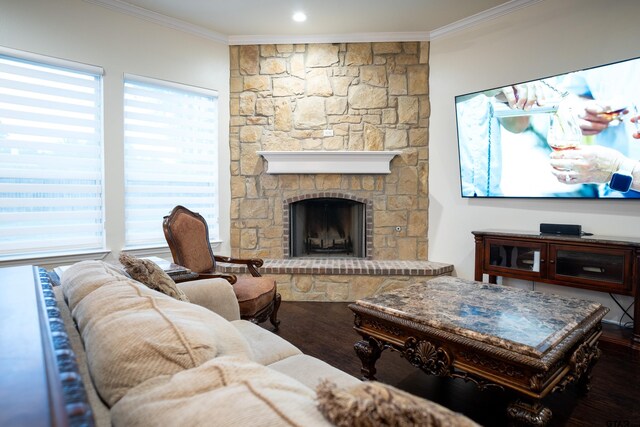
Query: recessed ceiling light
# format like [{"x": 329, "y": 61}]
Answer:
[{"x": 299, "y": 17}]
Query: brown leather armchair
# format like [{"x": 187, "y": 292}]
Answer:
[{"x": 187, "y": 234}]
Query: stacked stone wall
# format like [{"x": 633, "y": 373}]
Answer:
[{"x": 373, "y": 96}]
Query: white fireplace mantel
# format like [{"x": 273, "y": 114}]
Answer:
[{"x": 305, "y": 162}]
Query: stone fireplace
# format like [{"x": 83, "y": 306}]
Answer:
[{"x": 340, "y": 98}]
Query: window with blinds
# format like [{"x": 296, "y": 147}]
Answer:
[
  {"x": 51, "y": 156},
  {"x": 171, "y": 156}
]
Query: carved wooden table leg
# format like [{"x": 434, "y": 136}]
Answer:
[
  {"x": 591, "y": 357},
  {"x": 529, "y": 413},
  {"x": 369, "y": 352}
]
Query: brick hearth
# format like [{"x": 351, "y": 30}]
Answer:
[
  {"x": 348, "y": 266},
  {"x": 343, "y": 279}
]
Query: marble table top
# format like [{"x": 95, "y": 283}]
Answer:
[{"x": 523, "y": 321}]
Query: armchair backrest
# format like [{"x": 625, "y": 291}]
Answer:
[{"x": 187, "y": 234}]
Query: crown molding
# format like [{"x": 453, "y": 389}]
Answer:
[
  {"x": 180, "y": 25},
  {"x": 158, "y": 18},
  {"x": 330, "y": 38},
  {"x": 479, "y": 18}
]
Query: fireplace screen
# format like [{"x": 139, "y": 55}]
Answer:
[{"x": 327, "y": 227}]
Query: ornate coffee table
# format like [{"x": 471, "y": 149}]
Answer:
[{"x": 495, "y": 336}]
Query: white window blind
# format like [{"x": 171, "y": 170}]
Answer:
[
  {"x": 171, "y": 156},
  {"x": 51, "y": 157}
]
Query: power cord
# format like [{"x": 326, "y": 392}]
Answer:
[{"x": 625, "y": 312}]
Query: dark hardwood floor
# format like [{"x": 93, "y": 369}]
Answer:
[{"x": 325, "y": 330}]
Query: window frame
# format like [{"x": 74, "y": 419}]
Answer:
[
  {"x": 212, "y": 220},
  {"x": 63, "y": 253}
]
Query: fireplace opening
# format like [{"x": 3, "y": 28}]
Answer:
[{"x": 327, "y": 227}]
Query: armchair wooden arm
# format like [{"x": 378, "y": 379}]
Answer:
[
  {"x": 231, "y": 278},
  {"x": 252, "y": 264},
  {"x": 190, "y": 277}
]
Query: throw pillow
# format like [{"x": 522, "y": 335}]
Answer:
[
  {"x": 373, "y": 404},
  {"x": 150, "y": 274}
]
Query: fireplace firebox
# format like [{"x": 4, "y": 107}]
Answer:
[{"x": 327, "y": 227}]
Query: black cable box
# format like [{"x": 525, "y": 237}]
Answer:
[{"x": 564, "y": 229}]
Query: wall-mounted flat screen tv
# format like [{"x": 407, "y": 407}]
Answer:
[{"x": 572, "y": 135}]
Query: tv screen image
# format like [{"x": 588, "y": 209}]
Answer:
[{"x": 571, "y": 135}]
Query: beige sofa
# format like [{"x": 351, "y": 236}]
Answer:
[{"x": 149, "y": 359}]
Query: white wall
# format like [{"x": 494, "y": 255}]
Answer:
[
  {"x": 83, "y": 32},
  {"x": 546, "y": 38}
]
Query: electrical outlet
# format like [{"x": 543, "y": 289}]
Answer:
[{"x": 328, "y": 132}]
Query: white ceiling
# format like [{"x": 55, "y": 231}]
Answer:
[{"x": 256, "y": 21}]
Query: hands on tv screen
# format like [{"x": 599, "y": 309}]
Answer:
[{"x": 571, "y": 135}]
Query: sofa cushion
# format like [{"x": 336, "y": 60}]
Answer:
[
  {"x": 375, "y": 404},
  {"x": 132, "y": 333},
  {"x": 149, "y": 273},
  {"x": 223, "y": 392},
  {"x": 266, "y": 346},
  {"x": 310, "y": 371},
  {"x": 84, "y": 277}
]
